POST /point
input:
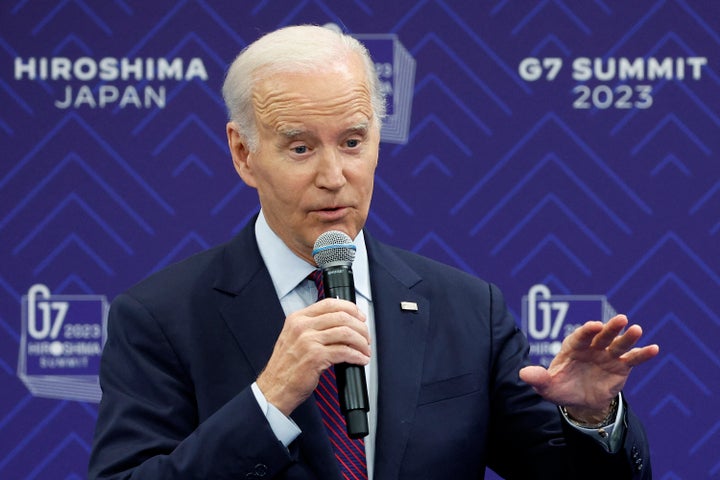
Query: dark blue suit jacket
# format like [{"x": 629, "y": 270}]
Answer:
[{"x": 185, "y": 344}]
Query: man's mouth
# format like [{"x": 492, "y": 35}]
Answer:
[{"x": 331, "y": 212}]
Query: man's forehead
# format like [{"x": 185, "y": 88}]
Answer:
[
  {"x": 295, "y": 106},
  {"x": 345, "y": 80},
  {"x": 317, "y": 89}
]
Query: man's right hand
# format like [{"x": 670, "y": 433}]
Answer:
[{"x": 328, "y": 332}]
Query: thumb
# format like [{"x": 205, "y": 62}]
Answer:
[{"x": 535, "y": 376}]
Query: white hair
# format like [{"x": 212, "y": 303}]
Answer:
[{"x": 301, "y": 48}]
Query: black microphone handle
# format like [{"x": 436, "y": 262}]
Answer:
[{"x": 352, "y": 388}]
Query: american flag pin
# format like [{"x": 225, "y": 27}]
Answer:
[{"x": 408, "y": 306}]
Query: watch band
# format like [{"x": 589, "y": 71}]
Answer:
[{"x": 608, "y": 420}]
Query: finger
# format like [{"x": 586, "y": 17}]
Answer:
[
  {"x": 637, "y": 356},
  {"x": 328, "y": 313},
  {"x": 340, "y": 304},
  {"x": 334, "y": 320},
  {"x": 328, "y": 305},
  {"x": 583, "y": 337},
  {"x": 344, "y": 336},
  {"x": 346, "y": 354},
  {"x": 626, "y": 341},
  {"x": 609, "y": 332}
]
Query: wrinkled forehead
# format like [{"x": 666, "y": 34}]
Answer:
[{"x": 338, "y": 92}]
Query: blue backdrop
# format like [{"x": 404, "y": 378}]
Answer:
[{"x": 567, "y": 145}]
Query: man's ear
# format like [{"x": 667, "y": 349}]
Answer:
[{"x": 240, "y": 154}]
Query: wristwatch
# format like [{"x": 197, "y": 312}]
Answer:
[{"x": 608, "y": 420}]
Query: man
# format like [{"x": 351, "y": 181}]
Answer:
[{"x": 211, "y": 365}]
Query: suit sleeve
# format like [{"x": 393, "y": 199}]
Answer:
[
  {"x": 148, "y": 424},
  {"x": 528, "y": 438}
]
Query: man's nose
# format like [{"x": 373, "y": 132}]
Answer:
[{"x": 330, "y": 173}]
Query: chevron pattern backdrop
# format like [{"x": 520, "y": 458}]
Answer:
[{"x": 501, "y": 174}]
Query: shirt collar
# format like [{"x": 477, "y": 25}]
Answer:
[{"x": 287, "y": 270}]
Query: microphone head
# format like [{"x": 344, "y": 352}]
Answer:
[{"x": 333, "y": 248}]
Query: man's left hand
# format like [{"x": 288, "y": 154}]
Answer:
[{"x": 592, "y": 366}]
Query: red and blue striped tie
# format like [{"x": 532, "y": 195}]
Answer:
[{"x": 350, "y": 453}]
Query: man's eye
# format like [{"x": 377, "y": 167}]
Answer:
[
  {"x": 353, "y": 143},
  {"x": 300, "y": 149}
]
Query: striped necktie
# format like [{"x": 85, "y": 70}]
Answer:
[{"x": 350, "y": 453}]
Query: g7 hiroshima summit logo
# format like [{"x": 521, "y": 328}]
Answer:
[
  {"x": 548, "y": 319},
  {"x": 61, "y": 342}
]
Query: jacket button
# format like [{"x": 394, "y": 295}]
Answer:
[{"x": 259, "y": 471}]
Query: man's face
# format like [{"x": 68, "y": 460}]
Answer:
[{"x": 317, "y": 152}]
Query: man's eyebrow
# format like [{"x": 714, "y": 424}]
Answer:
[
  {"x": 361, "y": 127},
  {"x": 291, "y": 133}
]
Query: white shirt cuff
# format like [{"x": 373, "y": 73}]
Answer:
[{"x": 283, "y": 427}]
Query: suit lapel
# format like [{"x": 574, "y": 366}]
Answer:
[
  {"x": 252, "y": 312},
  {"x": 401, "y": 338}
]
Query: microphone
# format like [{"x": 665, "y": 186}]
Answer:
[{"x": 334, "y": 253}]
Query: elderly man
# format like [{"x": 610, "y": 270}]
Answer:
[{"x": 212, "y": 366}]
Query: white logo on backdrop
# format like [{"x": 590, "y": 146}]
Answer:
[
  {"x": 105, "y": 82},
  {"x": 548, "y": 319},
  {"x": 614, "y": 82},
  {"x": 61, "y": 342}
]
